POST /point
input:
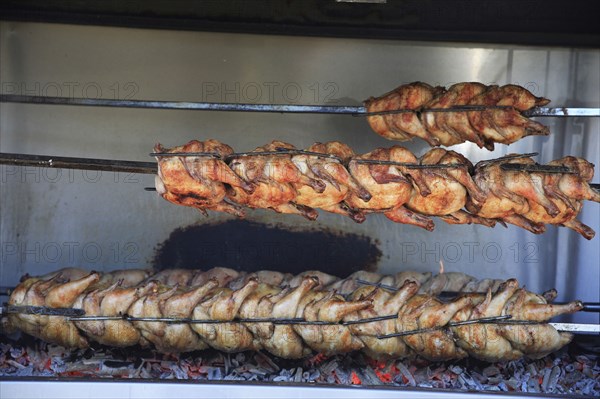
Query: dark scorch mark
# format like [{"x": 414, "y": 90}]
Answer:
[{"x": 249, "y": 246}]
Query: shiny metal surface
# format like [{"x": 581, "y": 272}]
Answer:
[
  {"x": 577, "y": 328},
  {"x": 283, "y": 108},
  {"x": 52, "y": 218},
  {"x": 148, "y": 390}
]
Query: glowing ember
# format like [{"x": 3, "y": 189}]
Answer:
[{"x": 560, "y": 373}]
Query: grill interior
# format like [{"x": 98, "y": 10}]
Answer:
[{"x": 53, "y": 218}]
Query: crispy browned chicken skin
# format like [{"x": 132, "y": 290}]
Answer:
[
  {"x": 307, "y": 300},
  {"x": 354, "y": 186},
  {"x": 482, "y": 127}
]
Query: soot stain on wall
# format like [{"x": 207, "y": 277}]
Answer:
[{"x": 250, "y": 246}]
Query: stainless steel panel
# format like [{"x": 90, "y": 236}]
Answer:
[
  {"x": 103, "y": 221},
  {"x": 143, "y": 390}
]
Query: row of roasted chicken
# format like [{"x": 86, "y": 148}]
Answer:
[
  {"x": 210, "y": 300},
  {"x": 481, "y": 126},
  {"x": 299, "y": 183}
]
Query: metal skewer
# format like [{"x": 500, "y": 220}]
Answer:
[
  {"x": 49, "y": 161},
  {"x": 185, "y": 154},
  {"x": 483, "y": 320},
  {"x": 593, "y": 307},
  {"x": 110, "y": 165},
  {"x": 357, "y": 110},
  {"x": 507, "y": 158},
  {"x": 73, "y": 314},
  {"x": 408, "y": 165},
  {"x": 518, "y": 167},
  {"x": 41, "y": 311}
]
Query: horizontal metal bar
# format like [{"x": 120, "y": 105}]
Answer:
[
  {"x": 185, "y": 154},
  {"x": 357, "y": 110},
  {"x": 78, "y": 315},
  {"x": 41, "y": 310},
  {"x": 563, "y": 111},
  {"x": 483, "y": 320},
  {"x": 132, "y": 388},
  {"x": 409, "y": 165},
  {"x": 519, "y": 167},
  {"x": 49, "y": 161},
  {"x": 184, "y": 105},
  {"x": 577, "y": 328}
]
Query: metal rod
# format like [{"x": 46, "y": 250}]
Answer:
[
  {"x": 483, "y": 320},
  {"x": 591, "y": 307},
  {"x": 508, "y": 157},
  {"x": 357, "y": 110},
  {"x": 384, "y": 286},
  {"x": 408, "y": 165},
  {"x": 185, "y": 154},
  {"x": 312, "y": 153},
  {"x": 41, "y": 310},
  {"x": 175, "y": 320},
  {"x": 74, "y": 314},
  {"x": 456, "y": 108},
  {"x": 281, "y": 151},
  {"x": 562, "y": 111},
  {"x": 370, "y": 320},
  {"x": 519, "y": 167},
  {"x": 49, "y": 161},
  {"x": 184, "y": 105}
]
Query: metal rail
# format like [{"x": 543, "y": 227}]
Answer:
[
  {"x": 50, "y": 161},
  {"x": 73, "y": 314},
  {"x": 110, "y": 165},
  {"x": 356, "y": 110},
  {"x": 593, "y": 307}
]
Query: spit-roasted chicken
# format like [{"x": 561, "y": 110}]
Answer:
[
  {"x": 198, "y": 181},
  {"x": 532, "y": 199},
  {"x": 389, "y": 185},
  {"x": 406, "y": 125},
  {"x": 422, "y": 114},
  {"x": 447, "y": 189},
  {"x": 391, "y": 181},
  {"x": 339, "y": 183},
  {"x": 325, "y": 308},
  {"x": 274, "y": 178}
]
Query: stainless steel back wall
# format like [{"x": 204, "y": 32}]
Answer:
[{"x": 51, "y": 218}]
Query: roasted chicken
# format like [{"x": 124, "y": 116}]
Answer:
[
  {"x": 339, "y": 183},
  {"x": 389, "y": 185},
  {"x": 405, "y": 189},
  {"x": 198, "y": 181},
  {"x": 406, "y": 125},
  {"x": 274, "y": 178},
  {"x": 532, "y": 199},
  {"x": 447, "y": 189},
  {"x": 311, "y": 318},
  {"x": 498, "y": 119}
]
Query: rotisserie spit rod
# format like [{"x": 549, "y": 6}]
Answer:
[
  {"x": 327, "y": 322},
  {"x": 393, "y": 181},
  {"x": 483, "y": 114},
  {"x": 513, "y": 189}
]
